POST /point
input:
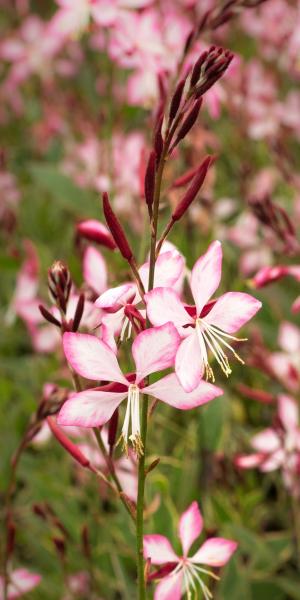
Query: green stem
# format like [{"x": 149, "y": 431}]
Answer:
[{"x": 140, "y": 505}]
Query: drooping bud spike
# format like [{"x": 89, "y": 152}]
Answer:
[
  {"x": 78, "y": 312},
  {"x": 193, "y": 189},
  {"x": 150, "y": 180},
  {"x": 116, "y": 229},
  {"x": 176, "y": 99},
  {"x": 66, "y": 443},
  {"x": 188, "y": 122}
]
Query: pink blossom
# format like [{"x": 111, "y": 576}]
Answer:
[
  {"x": 152, "y": 350},
  {"x": 207, "y": 325},
  {"x": 285, "y": 363},
  {"x": 278, "y": 447},
  {"x": 183, "y": 573},
  {"x": 21, "y": 581},
  {"x": 169, "y": 271}
]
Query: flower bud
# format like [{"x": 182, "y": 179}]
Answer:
[
  {"x": 176, "y": 99},
  {"x": 193, "y": 190},
  {"x": 66, "y": 443},
  {"x": 95, "y": 232},
  {"x": 150, "y": 180},
  {"x": 188, "y": 122},
  {"x": 116, "y": 229},
  {"x": 59, "y": 283}
]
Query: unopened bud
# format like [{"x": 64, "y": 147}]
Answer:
[
  {"x": 67, "y": 444},
  {"x": 86, "y": 547},
  {"x": 60, "y": 546},
  {"x": 193, "y": 189},
  {"x": 188, "y": 122},
  {"x": 78, "y": 312},
  {"x": 112, "y": 429},
  {"x": 116, "y": 229},
  {"x": 176, "y": 99},
  {"x": 150, "y": 180},
  {"x": 158, "y": 140},
  {"x": 48, "y": 316},
  {"x": 59, "y": 283},
  {"x": 96, "y": 232},
  {"x": 10, "y": 537}
]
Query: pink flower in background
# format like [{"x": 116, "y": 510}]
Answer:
[
  {"x": 278, "y": 447},
  {"x": 94, "y": 270},
  {"x": 286, "y": 364},
  {"x": 21, "y": 582},
  {"x": 152, "y": 350},
  {"x": 183, "y": 574},
  {"x": 208, "y": 325}
]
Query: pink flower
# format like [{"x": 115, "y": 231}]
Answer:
[
  {"x": 184, "y": 573},
  {"x": 94, "y": 270},
  {"x": 278, "y": 447},
  {"x": 205, "y": 326},
  {"x": 153, "y": 350},
  {"x": 285, "y": 363},
  {"x": 21, "y": 581},
  {"x": 169, "y": 272}
]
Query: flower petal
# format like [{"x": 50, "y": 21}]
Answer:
[
  {"x": 169, "y": 267},
  {"x": 232, "y": 310},
  {"x": 169, "y": 390},
  {"x": 266, "y": 441},
  {"x": 289, "y": 337},
  {"x": 206, "y": 275},
  {"x": 163, "y": 305},
  {"x": 215, "y": 552},
  {"x": 249, "y": 461},
  {"x": 114, "y": 298},
  {"x": 288, "y": 412},
  {"x": 155, "y": 349},
  {"x": 159, "y": 550},
  {"x": 22, "y": 581},
  {"x": 188, "y": 362},
  {"x": 190, "y": 526},
  {"x": 94, "y": 270},
  {"x": 91, "y": 358},
  {"x": 90, "y": 408},
  {"x": 170, "y": 588}
]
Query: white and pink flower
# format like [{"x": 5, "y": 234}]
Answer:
[
  {"x": 206, "y": 327},
  {"x": 183, "y": 574}
]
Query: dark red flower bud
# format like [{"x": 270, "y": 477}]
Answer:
[
  {"x": 78, "y": 312},
  {"x": 197, "y": 68},
  {"x": 185, "y": 178},
  {"x": 59, "y": 283},
  {"x": 39, "y": 510},
  {"x": 150, "y": 180},
  {"x": 96, "y": 232},
  {"x": 158, "y": 139},
  {"x": 176, "y": 99},
  {"x": 112, "y": 429},
  {"x": 193, "y": 189},
  {"x": 48, "y": 316},
  {"x": 116, "y": 229},
  {"x": 188, "y": 122},
  {"x": 66, "y": 443}
]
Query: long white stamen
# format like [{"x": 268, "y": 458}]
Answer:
[
  {"x": 212, "y": 337},
  {"x": 132, "y": 413},
  {"x": 126, "y": 325},
  {"x": 192, "y": 579}
]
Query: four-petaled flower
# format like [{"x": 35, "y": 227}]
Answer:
[
  {"x": 182, "y": 574},
  {"x": 208, "y": 325},
  {"x": 153, "y": 350}
]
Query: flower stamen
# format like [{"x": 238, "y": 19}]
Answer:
[
  {"x": 132, "y": 414},
  {"x": 213, "y": 337}
]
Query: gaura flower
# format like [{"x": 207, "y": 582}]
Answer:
[
  {"x": 278, "y": 447},
  {"x": 168, "y": 272},
  {"x": 206, "y": 327},
  {"x": 183, "y": 573},
  {"x": 153, "y": 350}
]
